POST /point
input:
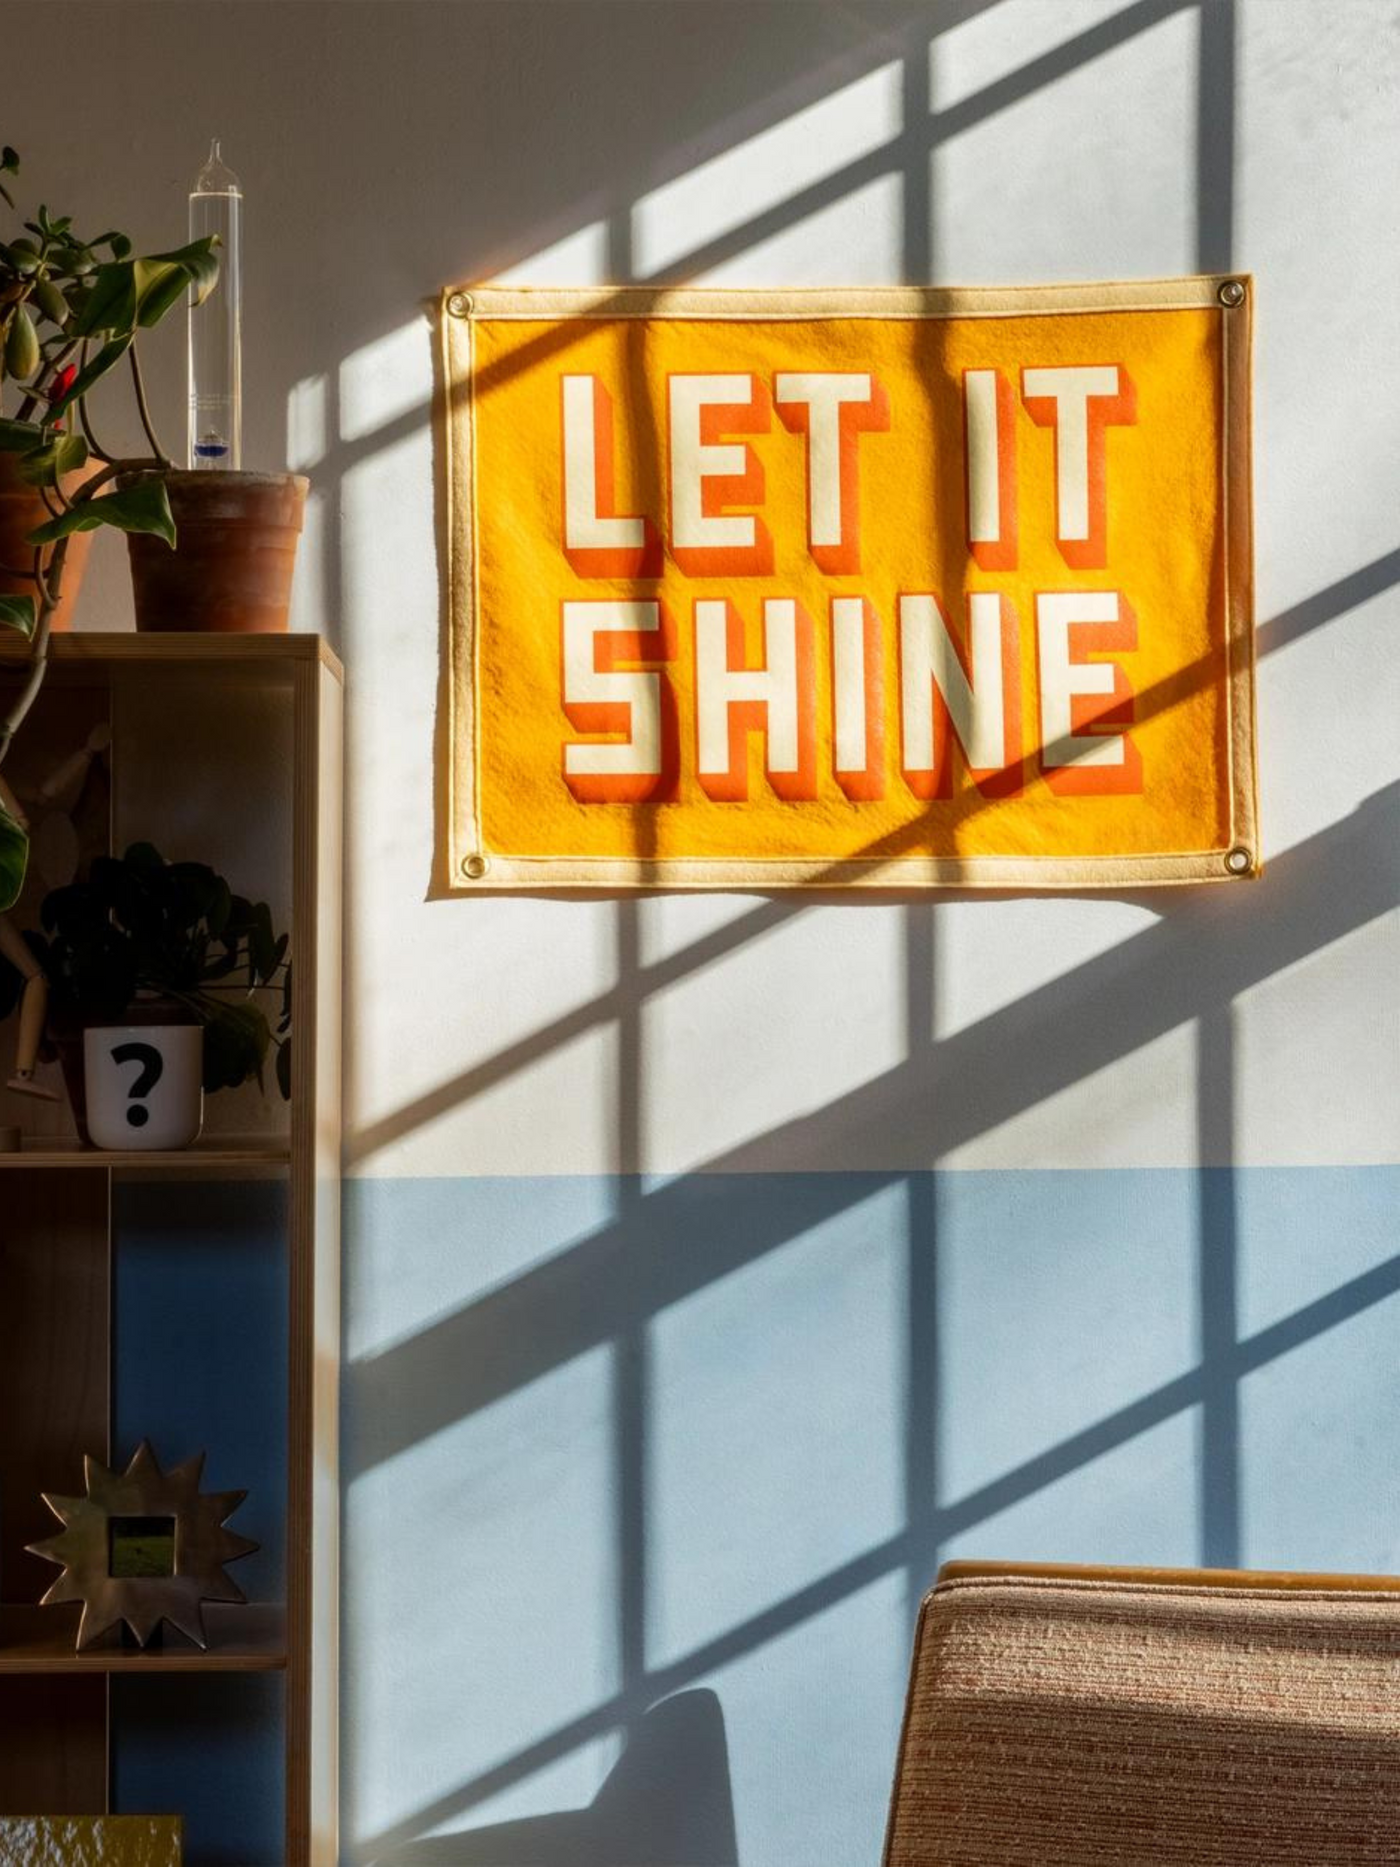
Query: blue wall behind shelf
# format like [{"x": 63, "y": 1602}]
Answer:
[{"x": 200, "y": 1288}]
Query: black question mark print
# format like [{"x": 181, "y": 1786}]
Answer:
[{"x": 152, "y": 1065}]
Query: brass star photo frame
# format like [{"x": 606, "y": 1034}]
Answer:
[{"x": 143, "y": 1546}]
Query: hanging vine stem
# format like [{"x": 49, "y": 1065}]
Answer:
[
  {"x": 84, "y": 419},
  {"x": 49, "y": 581},
  {"x": 162, "y": 457},
  {"x": 50, "y": 584}
]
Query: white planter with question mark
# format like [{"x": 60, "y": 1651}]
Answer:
[{"x": 144, "y": 1084}]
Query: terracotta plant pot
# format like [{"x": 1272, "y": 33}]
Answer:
[
  {"x": 236, "y": 546},
  {"x": 21, "y": 510}
]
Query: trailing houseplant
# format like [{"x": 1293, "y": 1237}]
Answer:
[
  {"x": 144, "y": 942},
  {"x": 139, "y": 928},
  {"x": 71, "y": 311}
]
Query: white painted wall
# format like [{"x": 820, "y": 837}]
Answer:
[{"x": 389, "y": 148}]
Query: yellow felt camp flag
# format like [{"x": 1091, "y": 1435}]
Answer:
[{"x": 905, "y": 587}]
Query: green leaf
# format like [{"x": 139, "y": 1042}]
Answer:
[
  {"x": 20, "y": 258},
  {"x": 46, "y": 465},
  {"x": 17, "y": 437},
  {"x": 141, "y": 507},
  {"x": 262, "y": 944},
  {"x": 159, "y": 289},
  {"x": 51, "y": 301},
  {"x": 14, "y": 859},
  {"x": 218, "y": 911},
  {"x": 163, "y": 279},
  {"x": 236, "y": 1041},
  {"x": 107, "y": 358},
  {"x": 111, "y": 304},
  {"x": 9, "y": 161},
  {"x": 21, "y": 345},
  {"x": 17, "y": 612}
]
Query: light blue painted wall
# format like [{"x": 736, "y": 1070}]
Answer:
[{"x": 621, "y": 1440}]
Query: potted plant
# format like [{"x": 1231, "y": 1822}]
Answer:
[
  {"x": 71, "y": 312},
  {"x": 156, "y": 971}
]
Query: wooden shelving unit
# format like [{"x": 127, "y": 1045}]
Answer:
[{"x": 228, "y": 750}]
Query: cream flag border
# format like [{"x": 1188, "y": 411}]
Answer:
[{"x": 471, "y": 867}]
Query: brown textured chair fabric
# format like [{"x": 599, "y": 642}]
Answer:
[{"x": 1122, "y": 1718}]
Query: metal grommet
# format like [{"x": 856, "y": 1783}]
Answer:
[
  {"x": 460, "y": 304},
  {"x": 1239, "y": 862},
  {"x": 1231, "y": 293},
  {"x": 474, "y": 867}
]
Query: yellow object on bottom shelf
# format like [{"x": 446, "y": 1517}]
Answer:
[{"x": 90, "y": 1840}]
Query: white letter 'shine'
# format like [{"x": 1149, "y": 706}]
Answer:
[
  {"x": 774, "y": 686},
  {"x": 976, "y": 704},
  {"x": 640, "y": 753},
  {"x": 1061, "y": 679}
]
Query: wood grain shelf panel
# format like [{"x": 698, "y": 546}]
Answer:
[
  {"x": 94, "y": 648},
  {"x": 247, "y": 1639},
  {"x": 220, "y": 1151}
]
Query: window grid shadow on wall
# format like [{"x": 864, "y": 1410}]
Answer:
[{"x": 1196, "y": 964}]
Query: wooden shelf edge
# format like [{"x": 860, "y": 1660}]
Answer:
[
  {"x": 188, "y": 647},
  {"x": 242, "y": 1639},
  {"x": 231, "y": 1152}
]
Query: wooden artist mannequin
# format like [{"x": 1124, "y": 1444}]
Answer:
[{"x": 55, "y": 848}]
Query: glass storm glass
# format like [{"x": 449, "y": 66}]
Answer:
[{"x": 216, "y": 326}]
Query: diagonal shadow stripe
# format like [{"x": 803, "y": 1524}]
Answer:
[
  {"x": 905, "y": 154},
  {"x": 1202, "y": 957},
  {"x": 1060, "y": 62},
  {"x": 1322, "y": 607},
  {"x": 1338, "y": 881},
  {"x": 827, "y": 1591},
  {"x": 1349, "y": 592}
]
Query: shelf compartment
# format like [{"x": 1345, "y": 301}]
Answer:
[{"x": 242, "y": 1639}]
